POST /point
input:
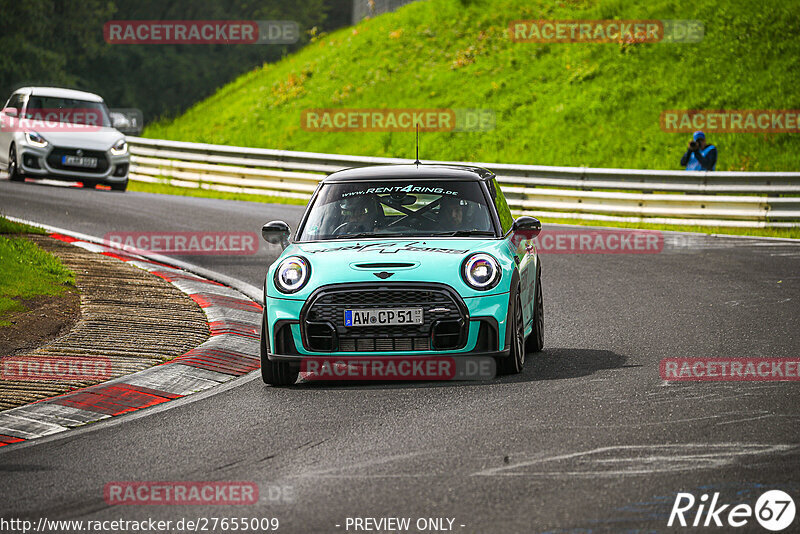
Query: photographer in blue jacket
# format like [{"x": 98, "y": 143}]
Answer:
[{"x": 700, "y": 156}]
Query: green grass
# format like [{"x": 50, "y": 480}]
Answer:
[
  {"x": 26, "y": 271},
  {"x": 556, "y": 104},
  {"x": 167, "y": 189},
  {"x": 10, "y": 227},
  {"x": 596, "y": 105}
]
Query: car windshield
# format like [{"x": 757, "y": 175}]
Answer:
[
  {"x": 414, "y": 208},
  {"x": 67, "y": 110}
]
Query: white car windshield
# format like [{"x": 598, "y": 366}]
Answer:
[
  {"x": 414, "y": 208},
  {"x": 66, "y": 110}
]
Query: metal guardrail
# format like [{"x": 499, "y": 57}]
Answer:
[{"x": 746, "y": 199}]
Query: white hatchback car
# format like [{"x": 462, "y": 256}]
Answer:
[{"x": 47, "y": 132}]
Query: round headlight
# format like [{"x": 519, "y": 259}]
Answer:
[
  {"x": 292, "y": 274},
  {"x": 481, "y": 271}
]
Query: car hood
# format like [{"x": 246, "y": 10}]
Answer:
[
  {"x": 407, "y": 260},
  {"x": 101, "y": 139}
]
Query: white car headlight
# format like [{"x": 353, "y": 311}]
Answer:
[
  {"x": 120, "y": 148},
  {"x": 34, "y": 139},
  {"x": 481, "y": 271},
  {"x": 292, "y": 274}
]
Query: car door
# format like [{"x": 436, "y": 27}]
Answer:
[
  {"x": 521, "y": 250},
  {"x": 7, "y": 129},
  {"x": 527, "y": 277}
]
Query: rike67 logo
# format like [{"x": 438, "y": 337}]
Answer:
[{"x": 774, "y": 510}]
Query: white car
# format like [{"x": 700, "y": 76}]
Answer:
[{"x": 47, "y": 132}]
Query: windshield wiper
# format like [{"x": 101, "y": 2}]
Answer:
[
  {"x": 457, "y": 233},
  {"x": 368, "y": 234},
  {"x": 354, "y": 236},
  {"x": 465, "y": 233}
]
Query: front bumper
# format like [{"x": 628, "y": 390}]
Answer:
[
  {"x": 485, "y": 331},
  {"x": 366, "y": 355},
  {"x": 43, "y": 162}
]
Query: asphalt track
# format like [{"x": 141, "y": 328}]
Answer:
[{"x": 587, "y": 438}]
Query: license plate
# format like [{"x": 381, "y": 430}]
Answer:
[
  {"x": 79, "y": 161},
  {"x": 383, "y": 317}
]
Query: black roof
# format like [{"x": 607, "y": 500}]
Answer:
[{"x": 411, "y": 172}]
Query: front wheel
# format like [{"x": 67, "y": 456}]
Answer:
[
  {"x": 513, "y": 363},
  {"x": 275, "y": 373},
  {"x": 13, "y": 170}
]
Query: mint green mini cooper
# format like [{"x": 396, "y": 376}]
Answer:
[{"x": 403, "y": 261}]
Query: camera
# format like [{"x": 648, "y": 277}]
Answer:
[{"x": 693, "y": 145}]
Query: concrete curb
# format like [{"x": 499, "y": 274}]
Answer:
[{"x": 234, "y": 320}]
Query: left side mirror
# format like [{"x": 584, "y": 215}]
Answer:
[
  {"x": 276, "y": 233},
  {"x": 530, "y": 227}
]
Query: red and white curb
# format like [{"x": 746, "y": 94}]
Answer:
[{"x": 231, "y": 351}]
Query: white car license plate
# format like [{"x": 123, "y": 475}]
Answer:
[
  {"x": 79, "y": 161},
  {"x": 383, "y": 317}
]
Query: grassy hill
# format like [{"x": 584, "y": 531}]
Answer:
[{"x": 555, "y": 104}]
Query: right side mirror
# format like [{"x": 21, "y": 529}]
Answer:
[
  {"x": 529, "y": 227},
  {"x": 10, "y": 112},
  {"x": 276, "y": 233}
]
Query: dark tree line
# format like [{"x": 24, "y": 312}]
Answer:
[{"x": 60, "y": 42}]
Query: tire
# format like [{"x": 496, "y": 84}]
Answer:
[
  {"x": 535, "y": 341},
  {"x": 275, "y": 373},
  {"x": 122, "y": 186},
  {"x": 515, "y": 361},
  {"x": 13, "y": 170}
]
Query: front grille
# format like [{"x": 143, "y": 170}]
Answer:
[
  {"x": 384, "y": 344},
  {"x": 327, "y": 306},
  {"x": 54, "y": 160}
]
